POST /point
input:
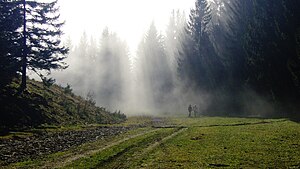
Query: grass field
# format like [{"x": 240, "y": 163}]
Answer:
[
  {"x": 265, "y": 145},
  {"x": 207, "y": 142}
]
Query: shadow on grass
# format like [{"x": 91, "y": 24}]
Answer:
[{"x": 295, "y": 118}]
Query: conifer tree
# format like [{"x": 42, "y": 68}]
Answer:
[
  {"x": 199, "y": 63},
  {"x": 10, "y": 38},
  {"x": 41, "y": 48},
  {"x": 111, "y": 69},
  {"x": 175, "y": 37},
  {"x": 155, "y": 69}
]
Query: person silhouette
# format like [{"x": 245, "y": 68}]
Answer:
[
  {"x": 195, "y": 110},
  {"x": 190, "y": 109}
]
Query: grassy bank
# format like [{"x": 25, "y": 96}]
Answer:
[{"x": 45, "y": 106}]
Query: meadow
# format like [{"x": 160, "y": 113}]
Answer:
[{"x": 205, "y": 142}]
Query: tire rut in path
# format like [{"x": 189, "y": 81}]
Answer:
[
  {"x": 134, "y": 160},
  {"x": 69, "y": 160},
  {"x": 156, "y": 144}
]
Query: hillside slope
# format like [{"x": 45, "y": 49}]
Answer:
[{"x": 52, "y": 105}]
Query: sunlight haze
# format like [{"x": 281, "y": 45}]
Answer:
[{"x": 129, "y": 19}]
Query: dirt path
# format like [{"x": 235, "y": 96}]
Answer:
[
  {"x": 43, "y": 143},
  {"x": 156, "y": 123},
  {"x": 118, "y": 147},
  {"x": 156, "y": 144},
  {"x": 72, "y": 157},
  {"x": 146, "y": 150},
  {"x": 134, "y": 155}
]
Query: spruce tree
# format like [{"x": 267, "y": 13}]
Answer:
[
  {"x": 272, "y": 51},
  {"x": 41, "y": 48},
  {"x": 155, "y": 69},
  {"x": 10, "y": 22},
  {"x": 111, "y": 69},
  {"x": 199, "y": 63},
  {"x": 200, "y": 17},
  {"x": 174, "y": 37}
]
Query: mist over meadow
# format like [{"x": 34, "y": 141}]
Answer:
[{"x": 225, "y": 56}]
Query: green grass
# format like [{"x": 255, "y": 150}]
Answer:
[
  {"x": 38, "y": 162},
  {"x": 115, "y": 156},
  {"x": 207, "y": 142},
  {"x": 56, "y": 158},
  {"x": 138, "y": 120},
  {"x": 270, "y": 145},
  {"x": 222, "y": 121},
  {"x": 11, "y": 135},
  {"x": 48, "y": 106}
]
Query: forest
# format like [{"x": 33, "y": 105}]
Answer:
[
  {"x": 230, "y": 57},
  {"x": 217, "y": 87}
]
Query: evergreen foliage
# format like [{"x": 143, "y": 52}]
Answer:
[
  {"x": 155, "y": 71},
  {"x": 99, "y": 65},
  {"x": 41, "y": 47},
  {"x": 231, "y": 49},
  {"x": 10, "y": 40},
  {"x": 29, "y": 39},
  {"x": 199, "y": 64},
  {"x": 234, "y": 48}
]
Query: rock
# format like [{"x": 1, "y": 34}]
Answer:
[{"x": 45, "y": 143}]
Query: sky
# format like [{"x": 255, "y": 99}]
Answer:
[{"x": 130, "y": 19}]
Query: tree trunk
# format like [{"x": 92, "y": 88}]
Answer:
[{"x": 24, "y": 57}]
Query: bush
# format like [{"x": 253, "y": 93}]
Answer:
[
  {"x": 48, "y": 82},
  {"x": 68, "y": 89}
]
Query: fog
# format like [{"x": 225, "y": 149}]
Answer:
[
  {"x": 104, "y": 70},
  {"x": 130, "y": 18},
  {"x": 117, "y": 78},
  {"x": 135, "y": 56}
]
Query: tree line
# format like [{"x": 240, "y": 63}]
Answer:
[
  {"x": 99, "y": 66},
  {"x": 244, "y": 54},
  {"x": 234, "y": 47}
]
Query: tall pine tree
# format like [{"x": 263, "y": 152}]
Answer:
[
  {"x": 111, "y": 70},
  {"x": 199, "y": 63},
  {"x": 155, "y": 71},
  {"x": 10, "y": 38},
  {"x": 41, "y": 48}
]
